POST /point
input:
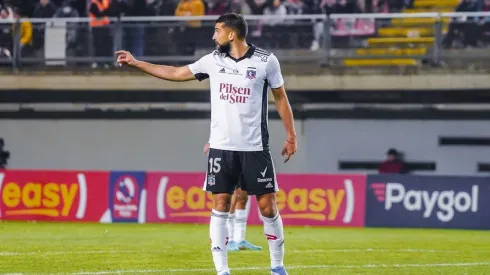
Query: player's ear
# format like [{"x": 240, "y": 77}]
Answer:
[{"x": 231, "y": 36}]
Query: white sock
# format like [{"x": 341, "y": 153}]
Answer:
[
  {"x": 275, "y": 237},
  {"x": 219, "y": 240},
  {"x": 230, "y": 223},
  {"x": 240, "y": 225},
  {"x": 248, "y": 205}
]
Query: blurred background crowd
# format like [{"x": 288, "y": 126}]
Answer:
[{"x": 182, "y": 38}]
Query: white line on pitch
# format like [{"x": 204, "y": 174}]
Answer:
[
  {"x": 6, "y": 254},
  {"x": 188, "y": 270}
]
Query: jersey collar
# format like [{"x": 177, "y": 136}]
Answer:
[{"x": 248, "y": 54}]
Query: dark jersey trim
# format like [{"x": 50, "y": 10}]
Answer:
[
  {"x": 201, "y": 76},
  {"x": 262, "y": 51},
  {"x": 264, "y": 117}
]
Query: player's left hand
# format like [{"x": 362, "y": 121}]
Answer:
[
  {"x": 206, "y": 149},
  {"x": 290, "y": 147}
]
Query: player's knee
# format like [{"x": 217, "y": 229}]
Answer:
[
  {"x": 222, "y": 202},
  {"x": 267, "y": 205},
  {"x": 242, "y": 198}
]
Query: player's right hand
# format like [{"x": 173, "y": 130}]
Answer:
[{"x": 125, "y": 57}]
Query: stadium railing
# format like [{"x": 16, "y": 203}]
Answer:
[{"x": 387, "y": 39}]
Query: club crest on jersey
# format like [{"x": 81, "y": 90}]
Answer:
[
  {"x": 251, "y": 73},
  {"x": 211, "y": 180}
]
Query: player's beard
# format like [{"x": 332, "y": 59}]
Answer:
[{"x": 224, "y": 48}]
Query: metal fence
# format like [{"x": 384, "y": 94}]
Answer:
[{"x": 342, "y": 39}]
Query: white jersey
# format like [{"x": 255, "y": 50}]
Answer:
[{"x": 239, "y": 103}]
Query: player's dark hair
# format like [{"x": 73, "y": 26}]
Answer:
[{"x": 236, "y": 22}]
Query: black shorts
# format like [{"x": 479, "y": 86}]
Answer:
[{"x": 251, "y": 171}]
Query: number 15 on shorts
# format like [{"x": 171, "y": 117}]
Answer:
[{"x": 214, "y": 165}]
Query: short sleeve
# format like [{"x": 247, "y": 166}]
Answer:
[
  {"x": 273, "y": 70},
  {"x": 198, "y": 68}
]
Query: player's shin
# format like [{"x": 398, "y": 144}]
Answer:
[
  {"x": 231, "y": 226},
  {"x": 240, "y": 225},
  {"x": 218, "y": 233},
  {"x": 274, "y": 233}
]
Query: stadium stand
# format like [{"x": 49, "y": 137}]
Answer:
[
  {"x": 394, "y": 35},
  {"x": 405, "y": 37}
]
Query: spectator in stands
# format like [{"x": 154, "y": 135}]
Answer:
[
  {"x": 275, "y": 13},
  {"x": 238, "y": 6},
  {"x": 133, "y": 32},
  {"x": 462, "y": 26},
  {"x": 393, "y": 164},
  {"x": 216, "y": 7},
  {"x": 67, "y": 11},
  {"x": 188, "y": 33},
  {"x": 316, "y": 7},
  {"x": 159, "y": 40},
  {"x": 6, "y": 12},
  {"x": 99, "y": 11},
  {"x": 273, "y": 26},
  {"x": 484, "y": 23},
  {"x": 6, "y": 40},
  {"x": 25, "y": 35},
  {"x": 44, "y": 9},
  {"x": 294, "y": 6},
  {"x": 4, "y": 155}
]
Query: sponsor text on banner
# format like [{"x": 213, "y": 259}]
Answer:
[{"x": 53, "y": 195}]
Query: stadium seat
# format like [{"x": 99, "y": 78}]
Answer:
[
  {"x": 400, "y": 40},
  {"x": 433, "y": 9},
  {"x": 397, "y": 52},
  {"x": 435, "y": 3},
  {"x": 379, "y": 62},
  {"x": 405, "y": 32},
  {"x": 404, "y": 37},
  {"x": 417, "y": 21}
]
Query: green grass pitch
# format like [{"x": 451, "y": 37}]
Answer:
[{"x": 83, "y": 249}]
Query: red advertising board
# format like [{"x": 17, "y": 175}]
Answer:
[
  {"x": 53, "y": 195},
  {"x": 177, "y": 198},
  {"x": 316, "y": 200}
]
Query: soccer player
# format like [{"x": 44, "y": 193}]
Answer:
[
  {"x": 240, "y": 75},
  {"x": 237, "y": 221}
]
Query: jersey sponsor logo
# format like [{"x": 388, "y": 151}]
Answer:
[
  {"x": 222, "y": 71},
  {"x": 235, "y": 72},
  {"x": 233, "y": 94},
  {"x": 259, "y": 180},
  {"x": 264, "y": 179},
  {"x": 263, "y": 173}
]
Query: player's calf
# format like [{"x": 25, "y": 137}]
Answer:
[
  {"x": 273, "y": 230},
  {"x": 218, "y": 232}
]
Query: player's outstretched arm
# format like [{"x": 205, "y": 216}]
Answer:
[
  {"x": 170, "y": 73},
  {"x": 286, "y": 113}
]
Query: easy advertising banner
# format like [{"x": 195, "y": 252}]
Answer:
[
  {"x": 177, "y": 198},
  {"x": 53, "y": 195},
  {"x": 316, "y": 200},
  {"x": 319, "y": 200},
  {"x": 428, "y": 202}
]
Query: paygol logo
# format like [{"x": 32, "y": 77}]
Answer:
[{"x": 447, "y": 201}]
